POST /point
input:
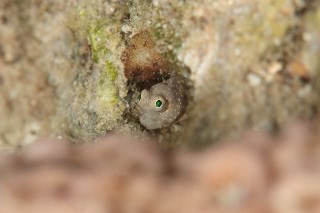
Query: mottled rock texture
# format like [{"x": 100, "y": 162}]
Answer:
[
  {"x": 37, "y": 66},
  {"x": 250, "y": 64}
]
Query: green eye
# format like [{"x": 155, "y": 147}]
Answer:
[
  {"x": 158, "y": 103},
  {"x": 139, "y": 97}
]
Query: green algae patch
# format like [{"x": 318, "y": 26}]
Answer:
[
  {"x": 105, "y": 41},
  {"x": 110, "y": 72},
  {"x": 97, "y": 37},
  {"x": 106, "y": 86},
  {"x": 100, "y": 87},
  {"x": 110, "y": 107}
]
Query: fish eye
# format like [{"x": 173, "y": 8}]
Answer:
[{"x": 158, "y": 103}]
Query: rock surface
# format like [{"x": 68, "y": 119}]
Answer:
[{"x": 251, "y": 64}]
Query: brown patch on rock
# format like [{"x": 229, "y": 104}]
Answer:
[{"x": 142, "y": 61}]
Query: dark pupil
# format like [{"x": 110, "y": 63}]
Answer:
[
  {"x": 158, "y": 103},
  {"x": 139, "y": 97}
]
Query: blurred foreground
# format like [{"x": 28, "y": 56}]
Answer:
[{"x": 116, "y": 174}]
